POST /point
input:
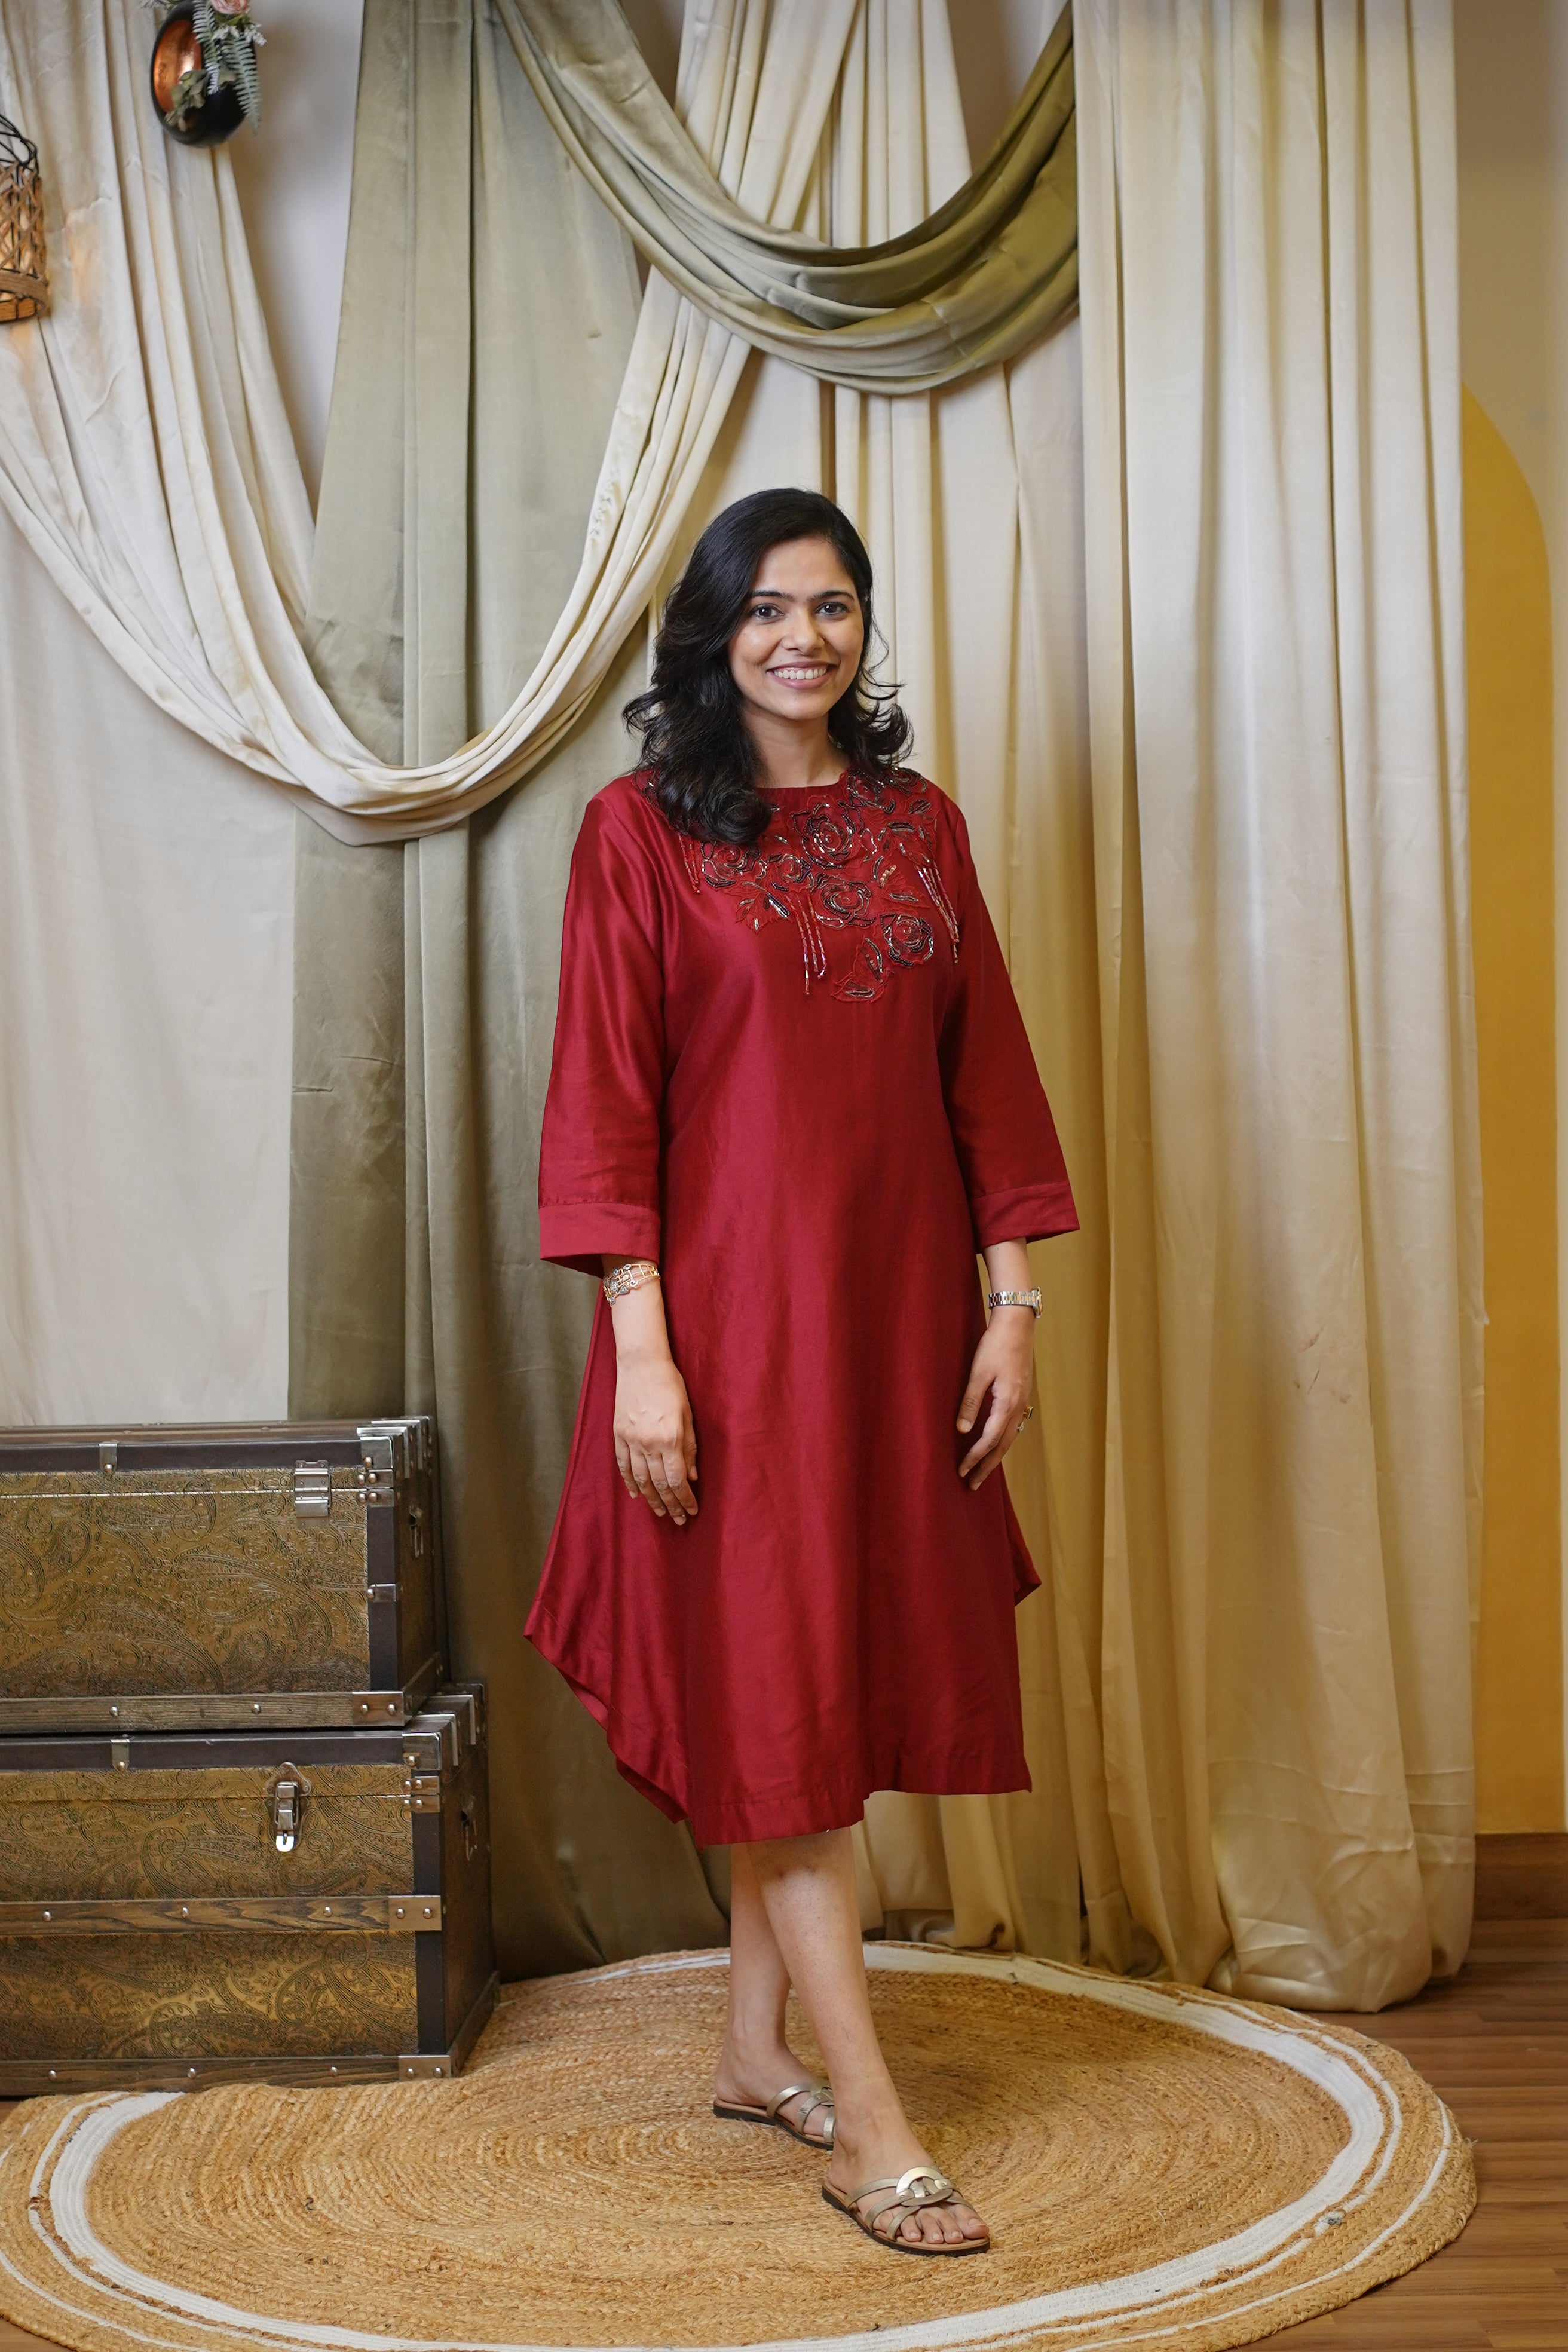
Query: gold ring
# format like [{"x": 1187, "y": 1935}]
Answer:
[{"x": 1028, "y": 1412}]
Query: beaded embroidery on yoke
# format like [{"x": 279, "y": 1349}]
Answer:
[{"x": 856, "y": 861}]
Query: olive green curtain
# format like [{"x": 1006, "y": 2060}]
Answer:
[{"x": 490, "y": 298}]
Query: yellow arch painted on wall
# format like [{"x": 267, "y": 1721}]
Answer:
[{"x": 1507, "y": 609}]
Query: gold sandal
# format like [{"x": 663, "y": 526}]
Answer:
[
  {"x": 816, "y": 2095},
  {"x": 906, "y": 2199}
]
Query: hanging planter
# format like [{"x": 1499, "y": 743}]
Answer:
[
  {"x": 204, "y": 71},
  {"x": 24, "y": 287}
]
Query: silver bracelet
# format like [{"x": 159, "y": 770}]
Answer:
[
  {"x": 630, "y": 1276},
  {"x": 1029, "y": 1298}
]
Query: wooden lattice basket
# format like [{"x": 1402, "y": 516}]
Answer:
[{"x": 24, "y": 284}]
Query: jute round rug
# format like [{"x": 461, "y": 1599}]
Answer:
[{"x": 1158, "y": 2167}]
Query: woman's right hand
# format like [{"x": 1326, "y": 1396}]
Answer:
[{"x": 656, "y": 1441}]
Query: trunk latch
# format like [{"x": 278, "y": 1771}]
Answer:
[
  {"x": 286, "y": 1798},
  {"x": 312, "y": 1490}
]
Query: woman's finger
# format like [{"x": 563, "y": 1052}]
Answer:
[
  {"x": 677, "y": 1480},
  {"x": 624, "y": 1465},
  {"x": 669, "y": 1472},
  {"x": 972, "y": 1396},
  {"x": 993, "y": 1439},
  {"x": 648, "y": 1486}
]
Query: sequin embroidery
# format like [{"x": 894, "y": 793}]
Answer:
[{"x": 857, "y": 864}]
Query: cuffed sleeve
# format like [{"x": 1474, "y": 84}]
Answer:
[
  {"x": 599, "y": 1151},
  {"x": 1003, "y": 1130}
]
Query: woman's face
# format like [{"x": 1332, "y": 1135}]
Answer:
[{"x": 799, "y": 643}]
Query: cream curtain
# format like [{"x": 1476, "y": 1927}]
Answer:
[
  {"x": 166, "y": 500},
  {"x": 1281, "y": 1799},
  {"x": 144, "y": 953}
]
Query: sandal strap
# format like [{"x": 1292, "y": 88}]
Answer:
[
  {"x": 905, "y": 2200},
  {"x": 816, "y": 2095}
]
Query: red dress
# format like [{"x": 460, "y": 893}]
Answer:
[{"x": 794, "y": 1074}]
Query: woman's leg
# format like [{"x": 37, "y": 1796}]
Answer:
[
  {"x": 806, "y": 1888},
  {"x": 756, "y": 2061}
]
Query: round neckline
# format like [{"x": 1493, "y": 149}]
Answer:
[{"x": 800, "y": 792}]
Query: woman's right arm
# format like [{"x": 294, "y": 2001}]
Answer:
[
  {"x": 656, "y": 1443},
  {"x": 599, "y": 1154}
]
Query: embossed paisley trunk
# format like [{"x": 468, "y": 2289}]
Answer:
[
  {"x": 201, "y": 1579},
  {"x": 302, "y": 1906}
]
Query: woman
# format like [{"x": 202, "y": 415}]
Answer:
[{"x": 791, "y": 1098}]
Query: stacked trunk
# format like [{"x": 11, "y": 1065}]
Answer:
[{"x": 244, "y": 1823}]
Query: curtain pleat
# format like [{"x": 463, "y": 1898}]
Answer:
[
  {"x": 1276, "y": 708},
  {"x": 489, "y": 299}
]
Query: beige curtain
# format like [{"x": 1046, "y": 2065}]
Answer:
[
  {"x": 144, "y": 952},
  {"x": 1280, "y": 1796},
  {"x": 165, "y": 499}
]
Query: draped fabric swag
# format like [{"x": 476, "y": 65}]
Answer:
[
  {"x": 970, "y": 282},
  {"x": 166, "y": 501}
]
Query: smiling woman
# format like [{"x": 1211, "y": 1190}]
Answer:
[{"x": 791, "y": 1098}]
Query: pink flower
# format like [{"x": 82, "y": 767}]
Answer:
[{"x": 230, "y": 7}]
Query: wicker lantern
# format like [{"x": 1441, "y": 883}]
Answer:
[{"x": 24, "y": 287}]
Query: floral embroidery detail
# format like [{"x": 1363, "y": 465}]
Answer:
[{"x": 858, "y": 861}]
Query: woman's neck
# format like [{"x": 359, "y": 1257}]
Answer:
[{"x": 791, "y": 758}]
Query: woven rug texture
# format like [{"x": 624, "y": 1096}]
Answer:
[{"x": 1158, "y": 2167}]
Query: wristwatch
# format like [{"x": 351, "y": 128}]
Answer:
[{"x": 1029, "y": 1298}]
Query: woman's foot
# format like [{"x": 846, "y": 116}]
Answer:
[
  {"x": 751, "y": 2078},
  {"x": 887, "y": 2154}
]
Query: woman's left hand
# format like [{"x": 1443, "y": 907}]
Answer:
[{"x": 1004, "y": 1364}]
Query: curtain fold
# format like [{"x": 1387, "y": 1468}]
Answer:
[
  {"x": 968, "y": 285},
  {"x": 1277, "y": 719},
  {"x": 166, "y": 500}
]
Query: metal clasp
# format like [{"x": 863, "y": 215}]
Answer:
[
  {"x": 286, "y": 1795},
  {"x": 312, "y": 1490}
]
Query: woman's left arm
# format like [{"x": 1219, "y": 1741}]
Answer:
[
  {"x": 1008, "y": 1154},
  {"x": 1004, "y": 1368}
]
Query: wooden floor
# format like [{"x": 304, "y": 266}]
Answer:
[{"x": 1495, "y": 2044}]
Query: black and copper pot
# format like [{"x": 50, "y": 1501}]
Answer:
[{"x": 176, "y": 52}]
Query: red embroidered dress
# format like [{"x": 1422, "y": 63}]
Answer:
[{"x": 796, "y": 1076}]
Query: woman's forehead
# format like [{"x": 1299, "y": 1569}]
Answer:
[{"x": 802, "y": 567}]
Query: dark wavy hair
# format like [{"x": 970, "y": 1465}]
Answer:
[{"x": 697, "y": 750}]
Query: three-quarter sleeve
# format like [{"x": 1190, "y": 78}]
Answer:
[
  {"x": 599, "y": 1151},
  {"x": 1002, "y": 1125}
]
